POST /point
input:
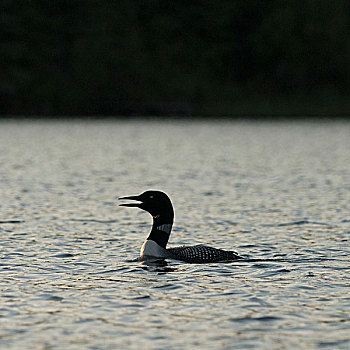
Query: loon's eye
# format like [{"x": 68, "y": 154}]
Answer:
[{"x": 151, "y": 197}]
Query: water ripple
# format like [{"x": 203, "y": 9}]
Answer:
[{"x": 275, "y": 192}]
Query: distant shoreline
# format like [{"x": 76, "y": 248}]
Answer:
[{"x": 325, "y": 104}]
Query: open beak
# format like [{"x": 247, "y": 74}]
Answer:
[{"x": 132, "y": 198}]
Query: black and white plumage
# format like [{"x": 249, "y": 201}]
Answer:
[
  {"x": 158, "y": 204},
  {"x": 201, "y": 253}
]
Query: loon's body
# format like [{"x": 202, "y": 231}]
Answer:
[{"x": 159, "y": 206}]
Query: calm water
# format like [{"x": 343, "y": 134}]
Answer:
[{"x": 276, "y": 192}]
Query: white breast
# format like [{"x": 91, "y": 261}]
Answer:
[{"x": 151, "y": 248}]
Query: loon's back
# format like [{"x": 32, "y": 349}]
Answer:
[{"x": 202, "y": 254}]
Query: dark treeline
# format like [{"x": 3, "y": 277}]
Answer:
[{"x": 70, "y": 57}]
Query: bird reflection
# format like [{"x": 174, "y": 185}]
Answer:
[{"x": 157, "y": 265}]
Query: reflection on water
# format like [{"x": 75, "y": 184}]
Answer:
[{"x": 277, "y": 193}]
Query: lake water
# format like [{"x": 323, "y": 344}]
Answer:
[{"x": 276, "y": 192}]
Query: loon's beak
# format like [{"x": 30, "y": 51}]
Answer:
[{"x": 132, "y": 198}]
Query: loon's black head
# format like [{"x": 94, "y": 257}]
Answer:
[{"x": 157, "y": 203}]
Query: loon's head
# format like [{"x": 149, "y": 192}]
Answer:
[{"x": 156, "y": 203}]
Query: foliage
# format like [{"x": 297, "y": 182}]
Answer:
[{"x": 152, "y": 56}]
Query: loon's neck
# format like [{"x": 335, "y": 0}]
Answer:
[{"x": 161, "y": 229}]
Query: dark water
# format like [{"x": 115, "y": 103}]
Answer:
[{"x": 278, "y": 193}]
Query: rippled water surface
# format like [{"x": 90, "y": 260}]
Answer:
[{"x": 276, "y": 192}]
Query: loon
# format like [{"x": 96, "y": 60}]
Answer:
[{"x": 158, "y": 204}]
